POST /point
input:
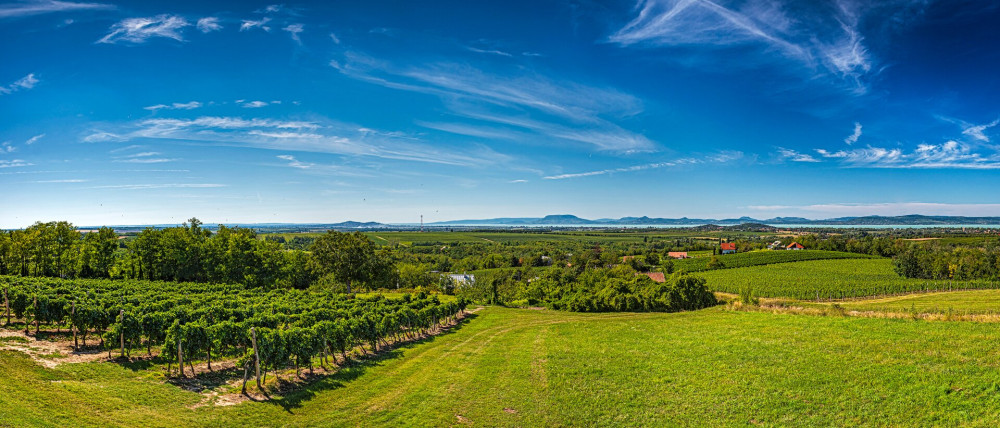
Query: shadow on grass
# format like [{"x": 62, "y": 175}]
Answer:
[
  {"x": 207, "y": 380},
  {"x": 356, "y": 368}
]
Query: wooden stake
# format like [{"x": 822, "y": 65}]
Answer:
[
  {"x": 256, "y": 356},
  {"x": 180, "y": 357},
  {"x": 121, "y": 331},
  {"x": 72, "y": 326},
  {"x": 36, "y": 318},
  {"x": 6, "y": 305}
]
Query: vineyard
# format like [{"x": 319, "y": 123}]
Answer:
[
  {"x": 757, "y": 258},
  {"x": 828, "y": 279},
  {"x": 261, "y": 330}
]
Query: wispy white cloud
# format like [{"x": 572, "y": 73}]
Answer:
[
  {"x": 329, "y": 137},
  {"x": 162, "y": 186},
  {"x": 70, "y": 180},
  {"x": 336, "y": 40},
  {"x": 295, "y": 30},
  {"x": 824, "y": 39},
  {"x": 126, "y": 148},
  {"x": 175, "y": 106},
  {"x": 209, "y": 24},
  {"x": 7, "y": 147},
  {"x": 294, "y": 163},
  {"x": 949, "y": 155},
  {"x": 490, "y": 51},
  {"x": 722, "y": 157},
  {"x": 249, "y": 24},
  {"x": 145, "y": 160},
  {"x": 517, "y": 181},
  {"x": 853, "y": 138},
  {"x": 103, "y": 137},
  {"x": 794, "y": 156},
  {"x": 26, "y": 82},
  {"x": 253, "y": 104},
  {"x": 550, "y": 108},
  {"x": 138, "y": 30},
  {"x": 978, "y": 132},
  {"x": 28, "y": 8},
  {"x": 34, "y": 139},
  {"x": 13, "y": 163}
]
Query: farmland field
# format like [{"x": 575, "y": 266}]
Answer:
[
  {"x": 632, "y": 236},
  {"x": 756, "y": 258},
  {"x": 511, "y": 367},
  {"x": 965, "y": 302},
  {"x": 827, "y": 279},
  {"x": 443, "y": 236}
]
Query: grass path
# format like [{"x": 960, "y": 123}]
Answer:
[{"x": 509, "y": 367}]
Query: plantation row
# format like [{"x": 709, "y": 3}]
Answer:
[
  {"x": 757, "y": 258},
  {"x": 190, "y": 321},
  {"x": 828, "y": 279}
]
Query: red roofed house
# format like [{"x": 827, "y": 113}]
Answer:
[
  {"x": 677, "y": 254},
  {"x": 656, "y": 276},
  {"x": 728, "y": 247},
  {"x": 795, "y": 246}
]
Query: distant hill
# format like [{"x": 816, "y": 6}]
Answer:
[
  {"x": 741, "y": 223},
  {"x": 566, "y": 219}
]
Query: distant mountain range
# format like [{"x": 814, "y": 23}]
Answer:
[{"x": 570, "y": 220}]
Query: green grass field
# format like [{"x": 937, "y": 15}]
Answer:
[
  {"x": 766, "y": 257},
  {"x": 964, "y": 302},
  {"x": 826, "y": 279},
  {"x": 510, "y": 367},
  {"x": 632, "y": 236}
]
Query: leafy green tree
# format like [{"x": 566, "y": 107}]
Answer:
[
  {"x": 98, "y": 253},
  {"x": 350, "y": 258}
]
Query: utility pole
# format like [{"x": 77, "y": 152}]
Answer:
[{"x": 421, "y": 222}]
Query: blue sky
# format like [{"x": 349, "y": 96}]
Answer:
[{"x": 153, "y": 112}]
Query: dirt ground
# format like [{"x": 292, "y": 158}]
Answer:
[{"x": 48, "y": 353}]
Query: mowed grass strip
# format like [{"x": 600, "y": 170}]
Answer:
[
  {"x": 828, "y": 279},
  {"x": 510, "y": 367}
]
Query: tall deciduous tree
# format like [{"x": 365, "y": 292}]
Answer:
[{"x": 351, "y": 258}]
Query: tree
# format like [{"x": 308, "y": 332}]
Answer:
[
  {"x": 97, "y": 253},
  {"x": 715, "y": 263},
  {"x": 350, "y": 258}
]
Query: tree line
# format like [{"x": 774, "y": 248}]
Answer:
[
  {"x": 615, "y": 289},
  {"x": 191, "y": 253},
  {"x": 935, "y": 261}
]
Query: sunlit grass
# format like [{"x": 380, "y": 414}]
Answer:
[{"x": 509, "y": 367}]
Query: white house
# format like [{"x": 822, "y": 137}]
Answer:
[{"x": 462, "y": 278}]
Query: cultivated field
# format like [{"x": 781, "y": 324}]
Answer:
[
  {"x": 827, "y": 279},
  {"x": 957, "y": 302},
  {"x": 767, "y": 257}
]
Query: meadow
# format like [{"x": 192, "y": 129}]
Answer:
[
  {"x": 596, "y": 236},
  {"x": 960, "y": 302},
  {"x": 510, "y": 367},
  {"x": 765, "y": 257},
  {"x": 828, "y": 279}
]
